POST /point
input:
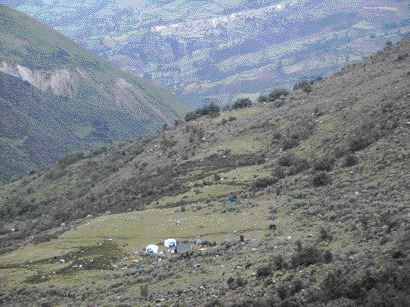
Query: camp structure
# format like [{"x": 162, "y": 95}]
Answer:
[
  {"x": 152, "y": 249},
  {"x": 170, "y": 243}
]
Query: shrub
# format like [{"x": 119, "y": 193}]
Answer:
[
  {"x": 278, "y": 173},
  {"x": 290, "y": 142},
  {"x": 263, "y": 271},
  {"x": 296, "y": 165},
  {"x": 350, "y": 160},
  {"x": 211, "y": 109},
  {"x": 279, "y": 103},
  {"x": 236, "y": 283},
  {"x": 324, "y": 164},
  {"x": 327, "y": 256},
  {"x": 231, "y": 283},
  {"x": 192, "y": 116},
  {"x": 324, "y": 234},
  {"x": 262, "y": 183},
  {"x": 279, "y": 262},
  {"x": 402, "y": 57},
  {"x": 287, "y": 160},
  {"x": 240, "y": 281},
  {"x": 214, "y": 303},
  {"x": 242, "y": 103},
  {"x": 321, "y": 179},
  {"x": 278, "y": 93},
  {"x": 299, "y": 165},
  {"x": 263, "y": 99},
  {"x": 55, "y": 173},
  {"x": 366, "y": 135},
  {"x": 305, "y": 255},
  {"x": 303, "y": 85},
  {"x": 71, "y": 158}
]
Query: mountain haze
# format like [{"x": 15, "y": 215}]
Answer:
[
  {"x": 320, "y": 216},
  {"x": 225, "y": 49},
  {"x": 56, "y": 97}
]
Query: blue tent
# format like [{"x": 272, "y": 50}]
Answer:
[{"x": 231, "y": 199}]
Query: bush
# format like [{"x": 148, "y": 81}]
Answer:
[
  {"x": 327, "y": 257},
  {"x": 278, "y": 173},
  {"x": 299, "y": 165},
  {"x": 242, "y": 103},
  {"x": 350, "y": 160},
  {"x": 366, "y": 135},
  {"x": 296, "y": 165},
  {"x": 324, "y": 164},
  {"x": 262, "y": 183},
  {"x": 231, "y": 283},
  {"x": 279, "y": 262},
  {"x": 305, "y": 256},
  {"x": 235, "y": 283},
  {"x": 402, "y": 57},
  {"x": 192, "y": 116},
  {"x": 70, "y": 159},
  {"x": 321, "y": 179},
  {"x": 278, "y": 93},
  {"x": 263, "y": 99},
  {"x": 211, "y": 109},
  {"x": 303, "y": 85},
  {"x": 385, "y": 287},
  {"x": 263, "y": 271},
  {"x": 324, "y": 234},
  {"x": 240, "y": 281},
  {"x": 214, "y": 303},
  {"x": 290, "y": 142},
  {"x": 287, "y": 160}
]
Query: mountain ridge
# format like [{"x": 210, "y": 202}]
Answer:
[
  {"x": 217, "y": 49},
  {"x": 103, "y": 104}
]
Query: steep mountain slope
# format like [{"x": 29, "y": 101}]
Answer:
[
  {"x": 227, "y": 48},
  {"x": 321, "y": 179},
  {"x": 56, "y": 97}
]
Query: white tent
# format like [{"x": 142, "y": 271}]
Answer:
[
  {"x": 170, "y": 243},
  {"x": 152, "y": 249}
]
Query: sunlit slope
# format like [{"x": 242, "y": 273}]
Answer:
[{"x": 321, "y": 180}]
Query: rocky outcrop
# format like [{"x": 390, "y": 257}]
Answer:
[{"x": 60, "y": 82}]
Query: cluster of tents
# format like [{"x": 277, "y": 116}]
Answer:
[{"x": 170, "y": 244}]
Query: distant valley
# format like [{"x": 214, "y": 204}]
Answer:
[{"x": 225, "y": 49}]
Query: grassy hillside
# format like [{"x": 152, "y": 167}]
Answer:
[
  {"x": 225, "y": 49},
  {"x": 57, "y": 97},
  {"x": 321, "y": 179}
]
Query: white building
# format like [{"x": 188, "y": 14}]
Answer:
[
  {"x": 152, "y": 249},
  {"x": 170, "y": 243}
]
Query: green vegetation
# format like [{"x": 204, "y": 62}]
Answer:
[
  {"x": 280, "y": 206},
  {"x": 242, "y": 103},
  {"x": 211, "y": 109},
  {"x": 87, "y": 103}
]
